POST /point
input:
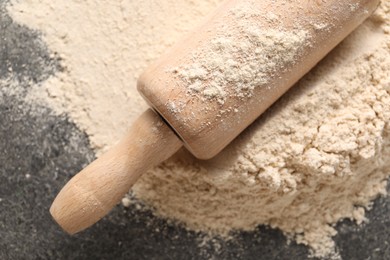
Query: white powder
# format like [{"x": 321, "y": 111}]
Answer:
[
  {"x": 246, "y": 58},
  {"x": 319, "y": 155}
]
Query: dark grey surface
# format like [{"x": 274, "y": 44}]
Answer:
[{"x": 50, "y": 148}]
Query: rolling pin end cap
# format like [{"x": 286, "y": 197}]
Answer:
[{"x": 64, "y": 225}]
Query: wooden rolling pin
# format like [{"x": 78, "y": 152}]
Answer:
[{"x": 203, "y": 120}]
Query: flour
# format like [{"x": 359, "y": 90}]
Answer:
[
  {"x": 246, "y": 58},
  {"x": 320, "y": 154}
]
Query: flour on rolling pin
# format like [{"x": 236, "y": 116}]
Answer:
[{"x": 236, "y": 63}]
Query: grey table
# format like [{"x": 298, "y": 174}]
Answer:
[{"x": 39, "y": 152}]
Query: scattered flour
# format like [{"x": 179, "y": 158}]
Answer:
[
  {"x": 320, "y": 154},
  {"x": 103, "y": 47}
]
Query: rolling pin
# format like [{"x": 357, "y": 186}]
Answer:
[{"x": 196, "y": 102}]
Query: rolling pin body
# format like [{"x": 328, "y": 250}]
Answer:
[{"x": 205, "y": 125}]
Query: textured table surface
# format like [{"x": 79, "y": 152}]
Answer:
[{"x": 39, "y": 152}]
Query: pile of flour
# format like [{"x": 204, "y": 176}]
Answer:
[{"x": 320, "y": 154}]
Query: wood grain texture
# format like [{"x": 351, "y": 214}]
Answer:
[{"x": 93, "y": 192}]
